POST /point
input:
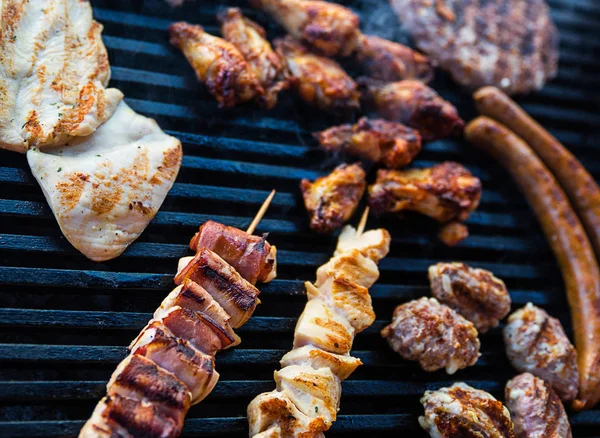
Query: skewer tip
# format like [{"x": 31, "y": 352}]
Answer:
[
  {"x": 363, "y": 222},
  {"x": 261, "y": 212}
]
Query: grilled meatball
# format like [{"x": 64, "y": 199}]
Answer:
[
  {"x": 475, "y": 293},
  {"x": 433, "y": 334},
  {"x": 536, "y": 410},
  {"x": 510, "y": 43},
  {"x": 465, "y": 412},
  {"x": 536, "y": 343},
  {"x": 331, "y": 200}
]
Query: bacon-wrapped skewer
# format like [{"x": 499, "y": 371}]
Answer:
[{"x": 307, "y": 397}]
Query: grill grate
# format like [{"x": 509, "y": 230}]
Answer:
[{"x": 65, "y": 321}]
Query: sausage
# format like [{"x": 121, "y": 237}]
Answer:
[
  {"x": 565, "y": 235},
  {"x": 578, "y": 184}
]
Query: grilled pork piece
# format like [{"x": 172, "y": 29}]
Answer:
[
  {"x": 331, "y": 200},
  {"x": 104, "y": 189},
  {"x": 415, "y": 104},
  {"x": 432, "y": 334},
  {"x": 536, "y": 410},
  {"x": 319, "y": 81},
  {"x": 252, "y": 256},
  {"x": 218, "y": 64},
  {"x": 235, "y": 295},
  {"x": 510, "y": 43},
  {"x": 474, "y": 293},
  {"x": 53, "y": 73},
  {"x": 445, "y": 192},
  {"x": 536, "y": 343},
  {"x": 389, "y": 143},
  {"x": 330, "y": 28},
  {"x": 389, "y": 61},
  {"x": 340, "y": 365},
  {"x": 374, "y": 244},
  {"x": 466, "y": 412},
  {"x": 250, "y": 39}
]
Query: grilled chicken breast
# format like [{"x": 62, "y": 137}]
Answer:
[
  {"x": 53, "y": 73},
  {"x": 374, "y": 244},
  {"x": 105, "y": 188},
  {"x": 341, "y": 365}
]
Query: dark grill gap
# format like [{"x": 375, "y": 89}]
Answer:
[{"x": 65, "y": 321}]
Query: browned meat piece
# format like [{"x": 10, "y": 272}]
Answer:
[
  {"x": 252, "y": 256},
  {"x": 432, "y": 334},
  {"x": 218, "y": 64},
  {"x": 380, "y": 141},
  {"x": 510, "y": 43},
  {"x": 536, "y": 343},
  {"x": 446, "y": 192},
  {"x": 453, "y": 233},
  {"x": 389, "y": 61},
  {"x": 475, "y": 293},
  {"x": 330, "y": 28},
  {"x": 341, "y": 365},
  {"x": 465, "y": 412},
  {"x": 331, "y": 200},
  {"x": 250, "y": 39},
  {"x": 319, "y": 81},
  {"x": 536, "y": 410},
  {"x": 414, "y": 103}
]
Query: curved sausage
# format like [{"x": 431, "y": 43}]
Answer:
[
  {"x": 578, "y": 184},
  {"x": 566, "y": 237}
]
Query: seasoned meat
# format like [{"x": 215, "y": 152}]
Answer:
[
  {"x": 341, "y": 365},
  {"x": 414, "y": 103},
  {"x": 218, "y": 64},
  {"x": 465, "y": 412},
  {"x": 250, "y": 39},
  {"x": 331, "y": 200},
  {"x": 433, "y": 334},
  {"x": 445, "y": 192},
  {"x": 390, "y": 62},
  {"x": 319, "y": 81},
  {"x": 453, "y": 233},
  {"x": 374, "y": 244},
  {"x": 536, "y": 343},
  {"x": 475, "y": 293},
  {"x": 510, "y": 43},
  {"x": 330, "y": 28},
  {"x": 536, "y": 410},
  {"x": 391, "y": 144},
  {"x": 350, "y": 265}
]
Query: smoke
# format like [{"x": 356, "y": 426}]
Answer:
[{"x": 378, "y": 18}]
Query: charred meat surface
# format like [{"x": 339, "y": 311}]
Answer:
[
  {"x": 218, "y": 64},
  {"x": 445, "y": 192},
  {"x": 536, "y": 343},
  {"x": 391, "y": 144},
  {"x": 330, "y": 28},
  {"x": 535, "y": 408},
  {"x": 476, "y": 294},
  {"x": 512, "y": 44},
  {"x": 331, "y": 200},
  {"x": 318, "y": 80},
  {"x": 414, "y": 103},
  {"x": 390, "y": 62},
  {"x": 465, "y": 412},
  {"x": 432, "y": 334},
  {"x": 251, "y": 41}
]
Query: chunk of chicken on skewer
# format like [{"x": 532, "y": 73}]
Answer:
[
  {"x": 250, "y": 39},
  {"x": 341, "y": 365},
  {"x": 330, "y": 28},
  {"x": 218, "y": 64}
]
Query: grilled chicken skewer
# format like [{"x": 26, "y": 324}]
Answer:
[{"x": 306, "y": 399}]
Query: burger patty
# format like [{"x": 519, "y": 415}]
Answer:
[{"x": 511, "y": 44}]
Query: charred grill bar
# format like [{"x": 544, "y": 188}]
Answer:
[{"x": 65, "y": 321}]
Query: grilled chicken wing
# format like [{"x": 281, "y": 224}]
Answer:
[
  {"x": 53, "y": 73},
  {"x": 444, "y": 192},
  {"x": 250, "y": 39},
  {"x": 389, "y": 143},
  {"x": 331, "y": 200},
  {"x": 414, "y": 103},
  {"x": 330, "y": 28},
  {"x": 341, "y": 365},
  {"x": 218, "y": 64},
  {"x": 105, "y": 188},
  {"x": 319, "y": 81},
  {"x": 389, "y": 61}
]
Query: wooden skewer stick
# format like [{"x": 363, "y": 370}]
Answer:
[
  {"x": 363, "y": 222},
  {"x": 261, "y": 213}
]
